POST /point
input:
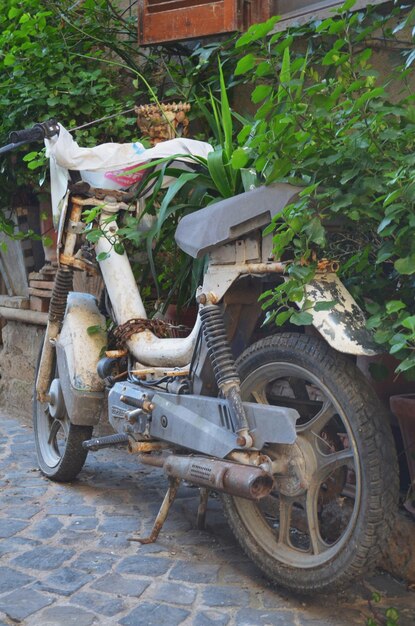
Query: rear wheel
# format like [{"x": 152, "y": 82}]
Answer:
[
  {"x": 58, "y": 442},
  {"x": 325, "y": 522}
]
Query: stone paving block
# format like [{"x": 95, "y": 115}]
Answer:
[
  {"x": 119, "y": 585},
  {"x": 21, "y": 512},
  {"x": 46, "y": 528},
  {"x": 9, "y": 527},
  {"x": 92, "y": 561},
  {"x": 225, "y": 596},
  {"x": 66, "y": 616},
  {"x": 211, "y": 618},
  {"x": 65, "y": 581},
  {"x": 11, "y": 579},
  {"x": 118, "y": 524},
  {"x": 194, "y": 572},
  {"x": 69, "y": 510},
  {"x": 43, "y": 558},
  {"x": 148, "y": 614},
  {"x": 73, "y": 538},
  {"x": 16, "y": 544},
  {"x": 21, "y": 603},
  {"x": 173, "y": 593},
  {"x": 99, "y": 603},
  {"x": 83, "y": 523},
  {"x": 258, "y": 617},
  {"x": 145, "y": 565}
]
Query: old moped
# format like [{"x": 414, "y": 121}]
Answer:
[{"x": 285, "y": 428}]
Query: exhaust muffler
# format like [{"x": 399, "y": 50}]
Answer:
[{"x": 244, "y": 481}]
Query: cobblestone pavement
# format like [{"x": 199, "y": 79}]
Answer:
[{"x": 66, "y": 558}]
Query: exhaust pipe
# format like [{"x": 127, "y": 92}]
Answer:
[{"x": 244, "y": 481}]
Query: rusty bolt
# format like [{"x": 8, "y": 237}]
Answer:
[
  {"x": 241, "y": 441},
  {"x": 202, "y": 298}
]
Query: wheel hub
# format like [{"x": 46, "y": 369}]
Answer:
[
  {"x": 56, "y": 403},
  {"x": 302, "y": 464}
]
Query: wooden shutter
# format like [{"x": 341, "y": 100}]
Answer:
[{"x": 173, "y": 20}]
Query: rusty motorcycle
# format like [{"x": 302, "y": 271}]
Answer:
[{"x": 284, "y": 428}]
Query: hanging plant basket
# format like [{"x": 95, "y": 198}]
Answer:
[{"x": 162, "y": 122}]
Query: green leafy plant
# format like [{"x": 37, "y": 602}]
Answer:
[
  {"x": 328, "y": 121},
  {"x": 385, "y": 617}
]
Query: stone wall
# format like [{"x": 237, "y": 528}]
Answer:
[{"x": 18, "y": 358}]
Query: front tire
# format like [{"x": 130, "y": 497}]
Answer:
[
  {"x": 58, "y": 442},
  {"x": 321, "y": 532}
]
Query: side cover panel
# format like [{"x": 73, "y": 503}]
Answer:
[{"x": 78, "y": 352}]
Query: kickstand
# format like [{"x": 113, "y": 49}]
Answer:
[
  {"x": 202, "y": 508},
  {"x": 174, "y": 484}
]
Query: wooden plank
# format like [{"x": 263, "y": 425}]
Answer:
[
  {"x": 39, "y": 304},
  {"x": 41, "y": 284},
  {"x": 14, "y": 302},
  {"x": 13, "y": 266},
  {"x": 41, "y": 293}
]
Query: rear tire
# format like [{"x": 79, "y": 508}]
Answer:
[
  {"x": 321, "y": 533},
  {"x": 58, "y": 442}
]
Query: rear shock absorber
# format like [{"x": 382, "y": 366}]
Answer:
[
  {"x": 61, "y": 287},
  {"x": 57, "y": 307},
  {"x": 224, "y": 369}
]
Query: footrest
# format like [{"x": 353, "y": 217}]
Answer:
[{"x": 105, "y": 442}]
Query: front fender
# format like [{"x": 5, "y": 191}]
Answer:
[
  {"x": 344, "y": 326},
  {"x": 78, "y": 352}
]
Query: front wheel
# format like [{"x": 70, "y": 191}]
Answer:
[
  {"x": 58, "y": 442},
  {"x": 325, "y": 524}
]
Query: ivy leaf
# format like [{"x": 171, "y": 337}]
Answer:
[
  {"x": 405, "y": 266},
  {"x": 260, "y": 93},
  {"x": 239, "y": 158},
  {"x": 409, "y": 322},
  {"x": 283, "y": 317},
  {"x": 119, "y": 248},
  {"x": 245, "y": 64},
  {"x": 102, "y": 256},
  {"x": 315, "y": 231},
  {"x": 394, "y": 305},
  {"x": 325, "y": 305},
  {"x": 301, "y": 318},
  {"x": 406, "y": 364},
  {"x": 93, "y": 330}
]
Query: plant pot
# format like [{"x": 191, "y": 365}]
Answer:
[{"x": 162, "y": 122}]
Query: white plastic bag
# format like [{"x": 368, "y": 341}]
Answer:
[{"x": 109, "y": 165}]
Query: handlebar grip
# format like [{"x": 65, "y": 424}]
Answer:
[
  {"x": 47, "y": 129},
  {"x": 27, "y": 135}
]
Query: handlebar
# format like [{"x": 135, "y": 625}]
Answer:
[{"x": 40, "y": 131}]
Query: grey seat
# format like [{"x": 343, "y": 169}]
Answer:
[{"x": 224, "y": 221}]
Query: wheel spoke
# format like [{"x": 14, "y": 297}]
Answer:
[
  {"x": 317, "y": 545},
  {"x": 286, "y": 505},
  {"x": 54, "y": 429},
  {"x": 327, "y": 464},
  {"x": 260, "y": 396},
  {"x": 314, "y": 426}
]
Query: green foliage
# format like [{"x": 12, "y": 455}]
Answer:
[
  {"x": 53, "y": 63},
  {"x": 386, "y": 617},
  {"x": 327, "y": 121}
]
